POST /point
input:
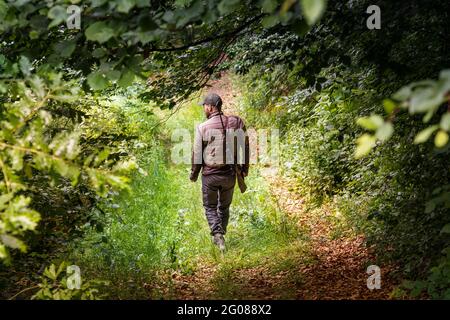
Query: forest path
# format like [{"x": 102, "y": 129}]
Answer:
[{"x": 318, "y": 263}]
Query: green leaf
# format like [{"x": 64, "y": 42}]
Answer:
[
  {"x": 37, "y": 84},
  {"x": 98, "y": 3},
  {"x": 33, "y": 34},
  {"x": 425, "y": 99},
  {"x": 228, "y": 6},
  {"x": 126, "y": 79},
  {"x": 270, "y": 21},
  {"x": 365, "y": 144},
  {"x": 99, "y": 52},
  {"x": 269, "y": 6},
  {"x": 61, "y": 268},
  {"x": 25, "y": 65},
  {"x": 441, "y": 139},
  {"x": 445, "y": 122},
  {"x": 65, "y": 48},
  {"x": 313, "y": 10},
  {"x": 97, "y": 80},
  {"x": 446, "y": 228},
  {"x": 425, "y": 134},
  {"x": 4, "y": 199},
  {"x": 445, "y": 74},
  {"x": 403, "y": 94},
  {"x": 385, "y": 131},
  {"x": 13, "y": 242},
  {"x": 3, "y": 252},
  {"x": 169, "y": 16},
  {"x": 100, "y": 32},
  {"x": 58, "y": 14},
  {"x": 3, "y": 9},
  {"x": 26, "y": 220},
  {"x": 430, "y": 206},
  {"x": 370, "y": 123},
  {"x": 389, "y": 105},
  {"x": 3, "y": 88},
  {"x": 142, "y": 3},
  {"x": 125, "y": 5},
  {"x": 427, "y": 117},
  {"x": 194, "y": 11},
  {"x": 146, "y": 37},
  {"x": 50, "y": 272},
  {"x": 16, "y": 157},
  {"x": 113, "y": 75}
]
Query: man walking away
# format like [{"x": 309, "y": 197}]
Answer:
[{"x": 221, "y": 151}]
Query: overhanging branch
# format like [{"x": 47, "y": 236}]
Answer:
[{"x": 230, "y": 34}]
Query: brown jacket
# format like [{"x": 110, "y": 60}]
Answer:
[{"x": 210, "y": 149}]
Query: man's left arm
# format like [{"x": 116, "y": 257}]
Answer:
[{"x": 246, "y": 164}]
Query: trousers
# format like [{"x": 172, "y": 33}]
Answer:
[{"x": 217, "y": 196}]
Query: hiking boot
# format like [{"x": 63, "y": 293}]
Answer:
[{"x": 219, "y": 241}]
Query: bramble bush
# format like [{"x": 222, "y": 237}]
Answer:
[{"x": 54, "y": 286}]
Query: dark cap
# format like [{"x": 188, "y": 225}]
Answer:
[{"x": 212, "y": 99}]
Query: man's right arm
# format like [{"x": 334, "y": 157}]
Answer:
[{"x": 197, "y": 155}]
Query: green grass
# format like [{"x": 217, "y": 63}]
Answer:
[{"x": 160, "y": 226}]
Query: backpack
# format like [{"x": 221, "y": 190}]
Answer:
[{"x": 211, "y": 158}]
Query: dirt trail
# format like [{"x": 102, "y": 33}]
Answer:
[{"x": 338, "y": 270}]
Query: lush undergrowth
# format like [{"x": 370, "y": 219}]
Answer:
[
  {"x": 388, "y": 196},
  {"x": 159, "y": 227}
]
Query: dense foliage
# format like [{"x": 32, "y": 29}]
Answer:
[{"x": 321, "y": 87}]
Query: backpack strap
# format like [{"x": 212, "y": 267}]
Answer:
[
  {"x": 224, "y": 138},
  {"x": 224, "y": 128}
]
